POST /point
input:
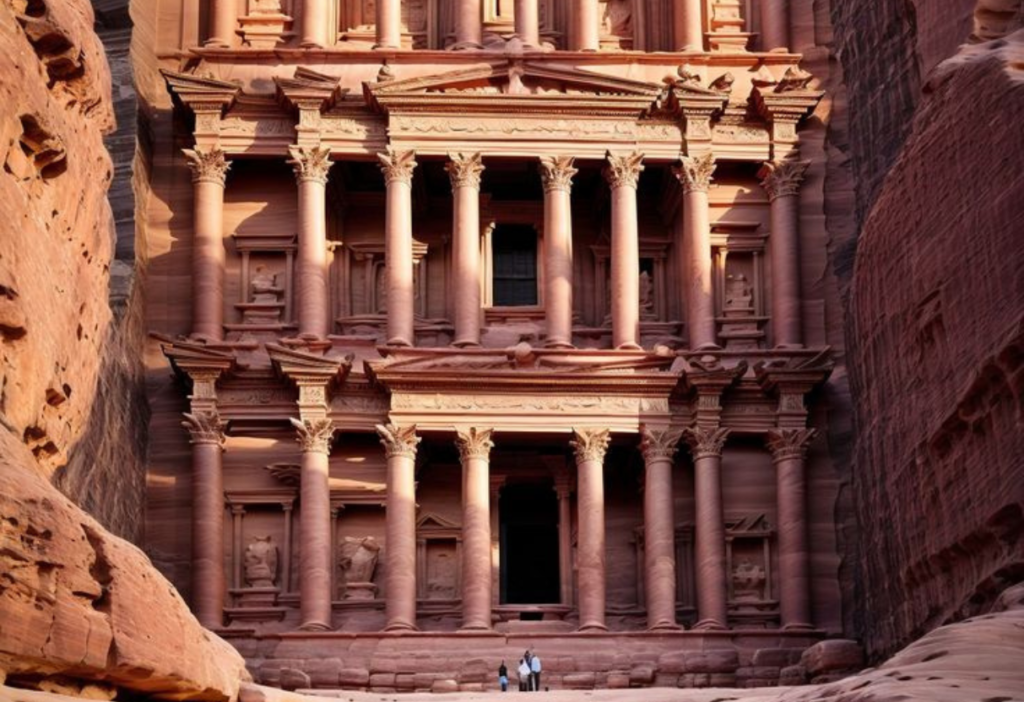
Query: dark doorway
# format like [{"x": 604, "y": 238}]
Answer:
[
  {"x": 529, "y": 544},
  {"x": 514, "y": 249}
]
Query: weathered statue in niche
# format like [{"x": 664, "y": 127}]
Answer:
[
  {"x": 748, "y": 580},
  {"x": 357, "y": 559},
  {"x": 739, "y": 295},
  {"x": 264, "y": 286},
  {"x": 618, "y": 19},
  {"x": 261, "y": 562},
  {"x": 646, "y": 296}
]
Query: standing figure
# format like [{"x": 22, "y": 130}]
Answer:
[
  {"x": 524, "y": 675},
  {"x": 535, "y": 672},
  {"x": 503, "y": 677}
]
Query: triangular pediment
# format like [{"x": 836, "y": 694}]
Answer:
[{"x": 432, "y": 521}]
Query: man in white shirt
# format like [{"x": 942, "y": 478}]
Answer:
[
  {"x": 535, "y": 672},
  {"x": 524, "y": 675}
]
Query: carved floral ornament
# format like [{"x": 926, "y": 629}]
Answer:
[
  {"x": 474, "y": 443},
  {"x": 590, "y": 444},
  {"x": 789, "y": 444},
  {"x": 310, "y": 163},
  {"x": 783, "y": 178},
  {"x": 705, "y": 443},
  {"x": 556, "y": 172},
  {"x": 314, "y": 435},
  {"x": 659, "y": 444},
  {"x": 397, "y": 166},
  {"x": 208, "y": 166},
  {"x": 204, "y": 427},
  {"x": 398, "y": 441},
  {"x": 695, "y": 173},
  {"x": 624, "y": 170},
  {"x": 465, "y": 171}
]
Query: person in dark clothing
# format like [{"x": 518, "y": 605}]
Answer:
[{"x": 503, "y": 677}]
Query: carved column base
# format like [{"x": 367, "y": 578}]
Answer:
[
  {"x": 709, "y": 625},
  {"x": 360, "y": 591},
  {"x": 316, "y": 626}
]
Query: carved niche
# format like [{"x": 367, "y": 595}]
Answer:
[
  {"x": 439, "y": 558},
  {"x": 748, "y": 551},
  {"x": 357, "y": 560},
  {"x": 617, "y": 24},
  {"x": 728, "y": 26},
  {"x": 266, "y": 275},
  {"x": 268, "y": 23},
  {"x": 358, "y": 22},
  {"x": 738, "y": 268}
]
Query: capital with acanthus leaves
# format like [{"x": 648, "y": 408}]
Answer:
[
  {"x": 465, "y": 170},
  {"x": 397, "y": 440},
  {"x": 556, "y": 172},
  {"x": 694, "y": 173},
  {"x": 208, "y": 165},
  {"x": 590, "y": 444},
  {"x": 397, "y": 166},
  {"x": 474, "y": 443},
  {"x": 623, "y": 170}
]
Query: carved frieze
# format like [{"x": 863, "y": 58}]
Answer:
[
  {"x": 238, "y": 126},
  {"x": 589, "y": 404},
  {"x": 314, "y": 435},
  {"x": 398, "y": 440},
  {"x": 556, "y": 172},
  {"x": 623, "y": 170},
  {"x": 705, "y": 443},
  {"x": 694, "y": 173},
  {"x": 659, "y": 444},
  {"x": 480, "y": 126},
  {"x": 208, "y": 165},
  {"x": 465, "y": 170},
  {"x": 590, "y": 444},
  {"x": 474, "y": 443}
]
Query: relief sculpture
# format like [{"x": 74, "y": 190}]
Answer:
[
  {"x": 261, "y": 562},
  {"x": 357, "y": 559}
]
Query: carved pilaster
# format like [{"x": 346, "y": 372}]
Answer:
[
  {"x": 624, "y": 170},
  {"x": 590, "y": 444},
  {"x": 398, "y": 441},
  {"x": 556, "y": 172},
  {"x": 465, "y": 170},
  {"x": 705, "y": 443},
  {"x": 694, "y": 173},
  {"x": 312, "y": 399},
  {"x": 208, "y": 165},
  {"x": 474, "y": 443},
  {"x": 787, "y": 444},
  {"x": 314, "y": 435},
  {"x": 659, "y": 444},
  {"x": 310, "y": 163},
  {"x": 782, "y": 178},
  {"x": 397, "y": 165},
  {"x": 204, "y": 427}
]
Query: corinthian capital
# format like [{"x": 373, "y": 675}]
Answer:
[
  {"x": 695, "y": 173},
  {"x": 397, "y": 165},
  {"x": 782, "y": 178},
  {"x": 474, "y": 443},
  {"x": 786, "y": 444},
  {"x": 310, "y": 163},
  {"x": 556, "y": 172},
  {"x": 659, "y": 444},
  {"x": 398, "y": 441},
  {"x": 208, "y": 166},
  {"x": 705, "y": 442},
  {"x": 624, "y": 169},
  {"x": 205, "y": 427},
  {"x": 314, "y": 435},
  {"x": 590, "y": 444},
  {"x": 464, "y": 170}
]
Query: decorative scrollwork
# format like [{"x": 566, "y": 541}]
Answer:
[
  {"x": 398, "y": 441},
  {"x": 474, "y": 443},
  {"x": 314, "y": 435},
  {"x": 695, "y": 173},
  {"x": 208, "y": 166},
  {"x": 590, "y": 444}
]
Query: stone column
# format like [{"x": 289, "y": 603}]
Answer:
[
  {"x": 623, "y": 175},
  {"x": 389, "y": 24},
  {"x": 789, "y": 450},
  {"x": 208, "y": 579},
  {"x": 527, "y": 19},
  {"x": 397, "y": 167},
  {"x": 782, "y": 183},
  {"x": 695, "y": 176},
  {"x": 475, "y": 451},
  {"x": 311, "y": 166},
  {"x": 286, "y": 550},
  {"x": 557, "y": 173},
  {"x": 464, "y": 172},
  {"x": 209, "y": 171},
  {"x": 587, "y": 28},
  {"x": 590, "y": 446},
  {"x": 468, "y": 25},
  {"x": 400, "y": 530},
  {"x": 712, "y": 584},
  {"x": 314, "y": 436},
  {"x": 237, "y": 514},
  {"x": 223, "y": 23},
  {"x": 563, "y": 489},
  {"x": 658, "y": 447},
  {"x": 774, "y": 25},
  {"x": 314, "y": 22},
  {"x": 688, "y": 29}
]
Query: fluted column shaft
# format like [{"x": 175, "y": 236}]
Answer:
[
  {"x": 465, "y": 178},
  {"x": 782, "y": 182},
  {"x": 557, "y": 173},
  {"x": 311, "y": 166},
  {"x": 688, "y": 29},
  {"x": 658, "y": 447},
  {"x": 623, "y": 174},
  {"x": 389, "y": 24},
  {"x": 527, "y": 19},
  {"x": 400, "y": 527},
  {"x": 712, "y": 583},
  {"x": 468, "y": 25},
  {"x": 474, "y": 448},
  {"x": 223, "y": 23},
  {"x": 590, "y": 446},
  {"x": 695, "y": 176},
  {"x": 587, "y": 25},
  {"x": 398, "y": 258},
  {"x": 314, "y": 436},
  {"x": 788, "y": 448},
  {"x": 774, "y": 25},
  {"x": 314, "y": 23},
  {"x": 208, "y": 577},
  {"x": 209, "y": 172}
]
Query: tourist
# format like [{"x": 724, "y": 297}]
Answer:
[
  {"x": 535, "y": 672},
  {"x": 503, "y": 677},
  {"x": 524, "y": 675}
]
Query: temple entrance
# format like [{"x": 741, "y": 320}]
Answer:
[{"x": 529, "y": 544}]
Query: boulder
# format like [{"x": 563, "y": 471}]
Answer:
[{"x": 833, "y": 656}]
